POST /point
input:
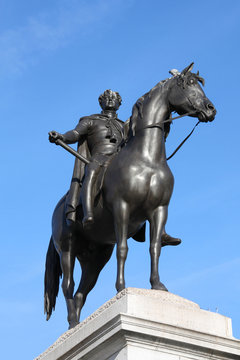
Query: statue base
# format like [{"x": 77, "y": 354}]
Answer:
[{"x": 148, "y": 324}]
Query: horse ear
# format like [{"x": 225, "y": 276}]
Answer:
[{"x": 187, "y": 69}]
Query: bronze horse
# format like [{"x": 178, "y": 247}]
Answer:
[{"x": 137, "y": 187}]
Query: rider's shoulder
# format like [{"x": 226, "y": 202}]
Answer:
[{"x": 92, "y": 117}]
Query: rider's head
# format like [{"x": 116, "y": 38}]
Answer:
[{"x": 110, "y": 100}]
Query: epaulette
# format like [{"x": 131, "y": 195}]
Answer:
[
  {"x": 98, "y": 117},
  {"x": 93, "y": 117}
]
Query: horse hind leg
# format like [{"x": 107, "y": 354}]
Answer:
[
  {"x": 67, "y": 260},
  {"x": 91, "y": 269},
  {"x": 157, "y": 223}
]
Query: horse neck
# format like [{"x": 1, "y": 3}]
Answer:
[{"x": 151, "y": 140}]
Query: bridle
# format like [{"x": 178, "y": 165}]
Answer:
[
  {"x": 158, "y": 125},
  {"x": 169, "y": 120},
  {"x": 184, "y": 140}
]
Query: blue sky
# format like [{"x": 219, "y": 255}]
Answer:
[{"x": 56, "y": 57}]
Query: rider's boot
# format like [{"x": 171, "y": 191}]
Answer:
[
  {"x": 169, "y": 240},
  {"x": 87, "y": 196}
]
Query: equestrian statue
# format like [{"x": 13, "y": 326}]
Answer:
[{"x": 121, "y": 179}]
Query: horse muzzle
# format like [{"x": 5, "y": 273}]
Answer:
[{"x": 208, "y": 114}]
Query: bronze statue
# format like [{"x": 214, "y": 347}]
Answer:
[{"x": 136, "y": 187}]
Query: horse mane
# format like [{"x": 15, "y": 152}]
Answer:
[{"x": 137, "y": 110}]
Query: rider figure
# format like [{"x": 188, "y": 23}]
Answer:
[{"x": 103, "y": 134}]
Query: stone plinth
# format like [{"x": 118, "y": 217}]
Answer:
[{"x": 142, "y": 324}]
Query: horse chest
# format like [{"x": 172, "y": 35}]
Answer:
[
  {"x": 150, "y": 187},
  {"x": 160, "y": 188}
]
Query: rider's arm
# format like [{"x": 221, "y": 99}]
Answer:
[
  {"x": 82, "y": 128},
  {"x": 72, "y": 136}
]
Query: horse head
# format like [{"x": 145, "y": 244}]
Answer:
[{"x": 186, "y": 95}]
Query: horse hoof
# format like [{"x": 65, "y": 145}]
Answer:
[
  {"x": 120, "y": 288},
  {"x": 73, "y": 324},
  {"x": 159, "y": 286}
]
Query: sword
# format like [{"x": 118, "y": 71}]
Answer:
[{"x": 71, "y": 151}]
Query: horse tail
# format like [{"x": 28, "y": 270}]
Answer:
[{"x": 51, "y": 280}]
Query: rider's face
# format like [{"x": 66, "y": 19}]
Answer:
[{"x": 110, "y": 102}]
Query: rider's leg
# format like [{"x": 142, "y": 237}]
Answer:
[{"x": 87, "y": 195}]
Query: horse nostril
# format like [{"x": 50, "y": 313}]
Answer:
[{"x": 210, "y": 107}]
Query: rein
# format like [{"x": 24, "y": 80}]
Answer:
[
  {"x": 168, "y": 120},
  {"x": 157, "y": 125},
  {"x": 184, "y": 140}
]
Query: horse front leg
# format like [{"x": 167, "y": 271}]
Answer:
[
  {"x": 121, "y": 218},
  {"x": 67, "y": 260},
  {"x": 157, "y": 223}
]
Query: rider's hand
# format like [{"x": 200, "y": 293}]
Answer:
[{"x": 54, "y": 136}]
